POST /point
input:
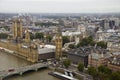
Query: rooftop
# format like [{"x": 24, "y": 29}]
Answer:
[
  {"x": 67, "y": 33},
  {"x": 99, "y": 56},
  {"x": 42, "y": 49},
  {"x": 45, "y": 50},
  {"x": 115, "y": 60},
  {"x": 79, "y": 51}
]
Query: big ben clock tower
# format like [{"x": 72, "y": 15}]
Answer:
[{"x": 58, "y": 43}]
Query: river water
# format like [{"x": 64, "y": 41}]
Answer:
[{"x": 8, "y": 61}]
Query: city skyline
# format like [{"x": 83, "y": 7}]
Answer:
[{"x": 59, "y": 6}]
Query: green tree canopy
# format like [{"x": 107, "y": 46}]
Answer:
[
  {"x": 102, "y": 76},
  {"x": 92, "y": 71},
  {"x": 86, "y": 41},
  {"x": 89, "y": 41},
  {"x": 104, "y": 69},
  {"x": 115, "y": 76},
  {"x": 32, "y": 36},
  {"x": 6, "y": 27},
  {"x": 66, "y": 63},
  {"x": 102, "y": 44},
  {"x": 80, "y": 67},
  {"x": 65, "y": 39},
  {"x": 49, "y": 38},
  {"x": 103, "y": 73},
  {"x": 39, "y": 35},
  {"x": 3, "y": 35},
  {"x": 71, "y": 46}
]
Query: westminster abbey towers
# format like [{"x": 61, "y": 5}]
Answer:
[
  {"x": 18, "y": 37},
  {"x": 17, "y": 29}
]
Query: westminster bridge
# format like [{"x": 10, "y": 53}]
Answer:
[{"x": 22, "y": 70}]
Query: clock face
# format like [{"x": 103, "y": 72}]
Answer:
[{"x": 60, "y": 37}]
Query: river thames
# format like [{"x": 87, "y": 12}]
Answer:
[{"x": 9, "y": 61}]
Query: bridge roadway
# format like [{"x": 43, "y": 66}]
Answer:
[{"x": 21, "y": 70}]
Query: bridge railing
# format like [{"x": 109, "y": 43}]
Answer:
[{"x": 20, "y": 70}]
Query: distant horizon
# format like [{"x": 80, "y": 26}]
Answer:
[
  {"x": 58, "y": 13},
  {"x": 59, "y": 6}
]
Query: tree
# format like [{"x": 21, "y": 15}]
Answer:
[
  {"x": 65, "y": 39},
  {"x": 39, "y": 35},
  {"x": 3, "y": 35},
  {"x": 102, "y": 44},
  {"x": 66, "y": 63},
  {"x": 92, "y": 43},
  {"x": 108, "y": 71},
  {"x": 104, "y": 70},
  {"x": 103, "y": 73},
  {"x": 90, "y": 39},
  {"x": 86, "y": 41},
  {"x": 71, "y": 46},
  {"x": 49, "y": 38},
  {"x": 6, "y": 28},
  {"x": 101, "y": 68},
  {"x": 92, "y": 71},
  {"x": 80, "y": 67},
  {"x": 32, "y": 36},
  {"x": 102, "y": 76},
  {"x": 115, "y": 76}
]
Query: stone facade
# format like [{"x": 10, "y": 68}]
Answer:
[
  {"x": 29, "y": 53},
  {"x": 78, "y": 56},
  {"x": 58, "y": 43},
  {"x": 114, "y": 63}
]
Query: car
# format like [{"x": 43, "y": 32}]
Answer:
[{"x": 11, "y": 70}]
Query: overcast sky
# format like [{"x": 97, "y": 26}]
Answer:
[{"x": 60, "y": 6}]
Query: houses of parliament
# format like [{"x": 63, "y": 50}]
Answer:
[{"x": 24, "y": 47}]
